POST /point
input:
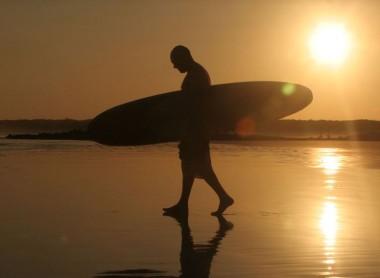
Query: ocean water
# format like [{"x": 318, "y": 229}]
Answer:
[{"x": 80, "y": 209}]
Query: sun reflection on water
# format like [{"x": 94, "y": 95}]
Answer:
[
  {"x": 330, "y": 162},
  {"x": 328, "y": 226},
  {"x": 329, "y": 222}
]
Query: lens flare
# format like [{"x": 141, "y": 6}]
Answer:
[
  {"x": 245, "y": 127},
  {"x": 288, "y": 89}
]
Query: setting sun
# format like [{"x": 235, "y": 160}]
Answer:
[{"x": 330, "y": 43}]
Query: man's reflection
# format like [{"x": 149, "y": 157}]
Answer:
[{"x": 195, "y": 259}]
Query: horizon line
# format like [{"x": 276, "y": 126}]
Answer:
[{"x": 89, "y": 119}]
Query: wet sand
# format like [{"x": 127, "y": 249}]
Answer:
[{"x": 78, "y": 209}]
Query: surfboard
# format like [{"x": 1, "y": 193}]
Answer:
[{"x": 231, "y": 107}]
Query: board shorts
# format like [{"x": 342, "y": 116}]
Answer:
[
  {"x": 195, "y": 158},
  {"x": 194, "y": 150}
]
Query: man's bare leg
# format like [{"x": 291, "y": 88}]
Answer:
[
  {"x": 225, "y": 200},
  {"x": 188, "y": 176}
]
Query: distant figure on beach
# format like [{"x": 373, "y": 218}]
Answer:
[{"x": 194, "y": 150}]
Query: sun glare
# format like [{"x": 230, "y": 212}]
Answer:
[{"x": 330, "y": 43}]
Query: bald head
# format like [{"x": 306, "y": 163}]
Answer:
[
  {"x": 181, "y": 51},
  {"x": 181, "y": 58}
]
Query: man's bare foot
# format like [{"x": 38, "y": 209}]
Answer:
[
  {"x": 176, "y": 210},
  {"x": 223, "y": 205}
]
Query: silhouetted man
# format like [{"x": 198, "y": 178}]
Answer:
[{"x": 194, "y": 150}]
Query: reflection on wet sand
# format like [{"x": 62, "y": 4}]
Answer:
[
  {"x": 196, "y": 259},
  {"x": 305, "y": 209},
  {"x": 330, "y": 162}
]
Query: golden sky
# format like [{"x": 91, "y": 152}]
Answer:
[{"x": 75, "y": 59}]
